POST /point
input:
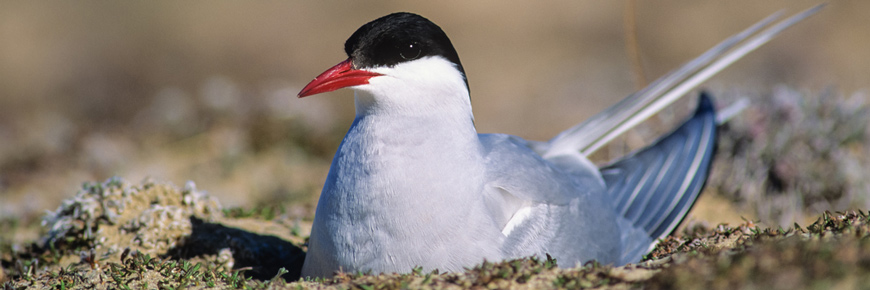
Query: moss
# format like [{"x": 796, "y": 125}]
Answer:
[
  {"x": 115, "y": 235},
  {"x": 833, "y": 252},
  {"x": 119, "y": 235}
]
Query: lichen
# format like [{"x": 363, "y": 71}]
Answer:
[{"x": 115, "y": 215}]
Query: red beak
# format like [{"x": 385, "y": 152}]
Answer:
[{"x": 339, "y": 76}]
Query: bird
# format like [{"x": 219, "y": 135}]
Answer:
[{"x": 413, "y": 184}]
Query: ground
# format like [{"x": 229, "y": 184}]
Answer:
[{"x": 117, "y": 235}]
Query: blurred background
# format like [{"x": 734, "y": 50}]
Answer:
[{"x": 206, "y": 91}]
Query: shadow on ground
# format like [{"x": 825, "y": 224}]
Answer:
[{"x": 263, "y": 254}]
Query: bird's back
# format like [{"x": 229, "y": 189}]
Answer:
[
  {"x": 554, "y": 210},
  {"x": 568, "y": 208}
]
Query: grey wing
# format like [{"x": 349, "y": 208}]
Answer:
[
  {"x": 654, "y": 188},
  {"x": 545, "y": 206},
  {"x": 515, "y": 166}
]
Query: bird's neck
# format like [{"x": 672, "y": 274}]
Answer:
[
  {"x": 392, "y": 151},
  {"x": 445, "y": 99},
  {"x": 425, "y": 132}
]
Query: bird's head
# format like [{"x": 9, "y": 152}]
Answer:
[{"x": 401, "y": 63}]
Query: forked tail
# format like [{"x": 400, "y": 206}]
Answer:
[{"x": 597, "y": 131}]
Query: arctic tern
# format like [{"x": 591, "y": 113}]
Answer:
[{"x": 414, "y": 184}]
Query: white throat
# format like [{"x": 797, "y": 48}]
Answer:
[{"x": 426, "y": 86}]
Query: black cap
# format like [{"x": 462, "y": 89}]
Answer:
[{"x": 397, "y": 38}]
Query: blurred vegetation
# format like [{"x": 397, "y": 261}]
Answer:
[{"x": 796, "y": 153}]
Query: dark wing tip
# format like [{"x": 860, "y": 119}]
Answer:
[
  {"x": 705, "y": 104},
  {"x": 654, "y": 188}
]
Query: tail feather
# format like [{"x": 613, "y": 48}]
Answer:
[
  {"x": 589, "y": 136},
  {"x": 654, "y": 188}
]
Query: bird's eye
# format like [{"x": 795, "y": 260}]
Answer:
[{"x": 410, "y": 51}]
